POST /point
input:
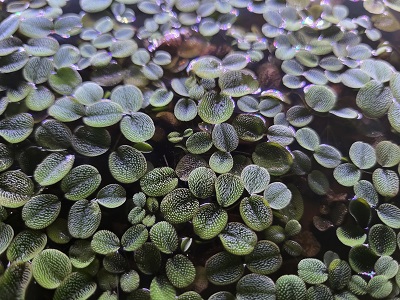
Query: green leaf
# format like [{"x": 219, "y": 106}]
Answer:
[
  {"x": 389, "y": 215},
  {"x": 94, "y": 7},
  {"x": 40, "y": 211},
  {"x": 126, "y": 164},
  {"x": 255, "y": 286},
  {"x": 290, "y": 287},
  {"x": 76, "y": 285},
  {"x": 238, "y": 83},
  {"x": 222, "y": 295},
  {"x": 318, "y": 182},
  {"x": 209, "y": 220},
  {"x": 347, "y": 174},
  {"x": 53, "y": 168},
  {"x": 16, "y": 188},
  {"x": 148, "y": 258},
  {"x": 357, "y": 285},
  {"x": 274, "y": 157},
  {"x": 379, "y": 287},
  {"x": 161, "y": 289},
  {"x": 374, "y": 99},
  {"x": 351, "y": 235},
  {"x": 66, "y": 109},
  {"x": 80, "y": 182},
  {"x": 39, "y": 99},
  {"x": 104, "y": 242},
  {"x": 185, "y": 109},
  {"x": 48, "y": 274},
  {"x": 16, "y": 128},
  {"x": 134, "y": 237},
  {"x": 221, "y": 162},
  {"x": 207, "y": 67},
  {"x": 83, "y": 219},
  {"x": 265, "y": 258},
  {"x": 224, "y": 137},
  {"x": 387, "y": 154},
  {"x": 308, "y": 138},
  {"x": 9, "y": 26},
  {"x": 365, "y": 190},
  {"x": 124, "y": 48},
  {"x": 362, "y": 259},
  {"x": 103, "y": 114},
  {"x": 88, "y": 93},
  {"x": 339, "y": 274},
  {"x": 66, "y": 56},
  {"x": 13, "y": 62},
  {"x": 26, "y": 245},
  {"x": 91, "y": 141},
  {"x": 161, "y": 97},
  {"x": 6, "y": 235},
  {"x": 327, "y": 156},
  {"x": 179, "y": 206},
  {"x": 320, "y": 98},
  {"x": 387, "y": 266},
  {"x": 180, "y": 271},
  {"x": 382, "y": 239},
  {"x": 129, "y": 281},
  {"x": 115, "y": 263},
  {"x": 65, "y": 80},
  {"x": 228, "y": 189},
  {"x": 215, "y": 108},
  {"x": 15, "y": 280},
  {"x": 312, "y": 271},
  {"x": 81, "y": 254},
  {"x": 128, "y": 96},
  {"x": 58, "y": 231},
  {"x": 53, "y": 134},
  {"x": 201, "y": 182},
  {"x": 199, "y": 142},
  {"x": 38, "y": 70},
  {"x": 137, "y": 127},
  {"x": 355, "y": 78},
  {"x": 45, "y": 46},
  {"x": 159, "y": 182},
  {"x": 6, "y": 157},
  {"x": 379, "y": 70},
  {"x": 238, "y": 239},
  {"x": 249, "y": 127},
  {"x": 164, "y": 236},
  {"x": 224, "y": 268},
  {"x": 111, "y": 196},
  {"x": 319, "y": 291},
  {"x": 386, "y": 182},
  {"x": 362, "y": 155},
  {"x": 255, "y": 178},
  {"x": 256, "y": 212},
  {"x": 277, "y": 195}
]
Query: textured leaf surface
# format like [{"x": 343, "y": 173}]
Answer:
[
  {"x": 50, "y": 267},
  {"x": 26, "y": 245},
  {"x": 40, "y": 211},
  {"x": 53, "y": 168},
  {"x": 127, "y": 164},
  {"x": 84, "y": 219},
  {"x": 224, "y": 268},
  {"x": 16, "y": 188},
  {"x": 238, "y": 239},
  {"x": 76, "y": 285}
]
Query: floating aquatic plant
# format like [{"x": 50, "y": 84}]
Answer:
[{"x": 177, "y": 149}]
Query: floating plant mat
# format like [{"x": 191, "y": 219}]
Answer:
[{"x": 199, "y": 149}]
